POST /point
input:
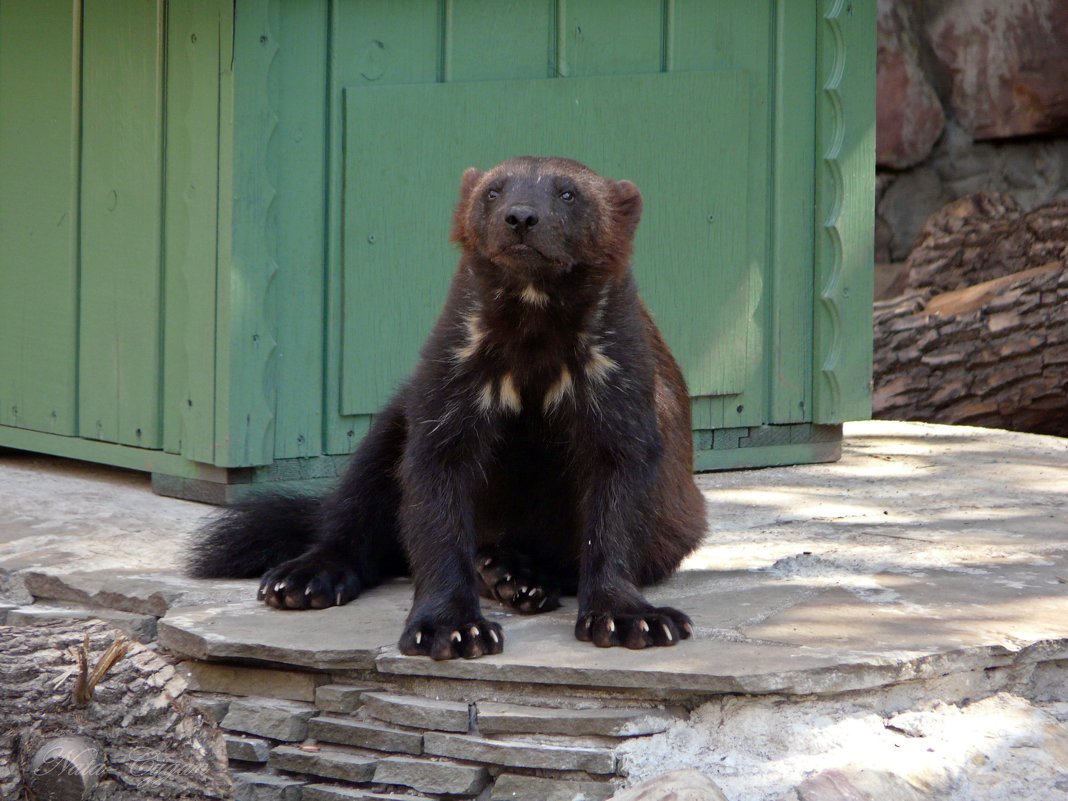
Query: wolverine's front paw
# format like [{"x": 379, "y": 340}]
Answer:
[
  {"x": 424, "y": 637},
  {"x": 648, "y": 627},
  {"x": 309, "y": 582}
]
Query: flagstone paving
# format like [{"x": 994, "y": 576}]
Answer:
[{"x": 926, "y": 572}]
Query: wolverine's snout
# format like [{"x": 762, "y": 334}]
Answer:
[{"x": 521, "y": 218}]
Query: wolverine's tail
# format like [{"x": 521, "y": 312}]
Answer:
[{"x": 250, "y": 538}]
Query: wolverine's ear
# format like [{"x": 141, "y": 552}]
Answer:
[
  {"x": 459, "y": 217},
  {"x": 472, "y": 176},
  {"x": 627, "y": 205}
]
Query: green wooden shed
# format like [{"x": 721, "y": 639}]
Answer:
[{"x": 224, "y": 223}]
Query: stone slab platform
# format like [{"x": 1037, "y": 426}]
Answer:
[
  {"x": 891, "y": 626},
  {"x": 925, "y": 550}
]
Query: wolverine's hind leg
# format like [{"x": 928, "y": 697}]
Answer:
[
  {"x": 356, "y": 543},
  {"x": 512, "y": 579}
]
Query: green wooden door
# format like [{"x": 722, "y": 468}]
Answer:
[{"x": 679, "y": 97}]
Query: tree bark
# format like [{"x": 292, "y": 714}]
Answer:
[
  {"x": 979, "y": 334},
  {"x": 153, "y": 741}
]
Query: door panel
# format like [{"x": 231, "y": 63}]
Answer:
[{"x": 406, "y": 146}]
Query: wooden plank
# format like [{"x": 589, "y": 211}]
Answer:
[
  {"x": 246, "y": 341},
  {"x": 400, "y": 186},
  {"x": 89, "y": 450},
  {"x": 793, "y": 191},
  {"x": 845, "y": 142},
  {"x": 39, "y": 79},
  {"x": 610, "y": 37},
  {"x": 738, "y": 34},
  {"x": 191, "y": 218},
  {"x": 767, "y": 456},
  {"x": 520, "y": 34},
  {"x": 370, "y": 43},
  {"x": 299, "y": 214},
  {"x": 119, "y": 355}
]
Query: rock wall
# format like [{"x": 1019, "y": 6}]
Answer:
[{"x": 972, "y": 95}]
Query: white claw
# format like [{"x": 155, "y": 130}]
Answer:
[
  {"x": 589, "y": 623},
  {"x": 279, "y": 586},
  {"x": 611, "y": 625},
  {"x": 541, "y": 603},
  {"x": 307, "y": 590},
  {"x": 689, "y": 628},
  {"x": 667, "y": 632},
  {"x": 493, "y": 634},
  {"x": 456, "y": 637},
  {"x": 487, "y": 562},
  {"x": 507, "y": 577},
  {"x": 643, "y": 626},
  {"x": 523, "y": 590},
  {"x": 474, "y": 631},
  {"x": 418, "y": 637},
  {"x": 339, "y": 598}
]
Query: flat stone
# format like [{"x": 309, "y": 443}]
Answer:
[
  {"x": 332, "y": 792},
  {"x": 678, "y": 785},
  {"x": 79, "y": 516},
  {"x": 517, "y": 787},
  {"x": 520, "y": 754},
  {"x": 494, "y": 718},
  {"x": 856, "y": 785},
  {"x": 211, "y": 705},
  {"x": 920, "y": 615},
  {"x": 545, "y": 652},
  {"x": 428, "y": 776},
  {"x": 5, "y": 609},
  {"x": 142, "y": 592},
  {"x": 238, "y": 680},
  {"x": 419, "y": 713},
  {"x": 247, "y": 749},
  {"x": 366, "y": 735},
  {"x": 330, "y": 764},
  {"x": 139, "y": 627},
  {"x": 269, "y": 717},
  {"x": 339, "y": 697},
  {"x": 266, "y": 787},
  {"x": 338, "y": 638},
  {"x": 978, "y": 513}
]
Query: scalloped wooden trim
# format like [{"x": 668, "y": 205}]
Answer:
[{"x": 845, "y": 210}]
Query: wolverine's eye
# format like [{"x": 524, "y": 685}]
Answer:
[
  {"x": 492, "y": 194},
  {"x": 567, "y": 196}
]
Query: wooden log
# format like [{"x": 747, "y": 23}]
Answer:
[
  {"x": 981, "y": 237},
  {"x": 994, "y": 354},
  {"x": 65, "y": 769},
  {"x": 153, "y": 741},
  {"x": 977, "y": 331}
]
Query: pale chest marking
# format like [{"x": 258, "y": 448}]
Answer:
[
  {"x": 533, "y": 296},
  {"x": 501, "y": 395},
  {"x": 599, "y": 366},
  {"x": 561, "y": 388},
  {"x": 474, "y": 334}
]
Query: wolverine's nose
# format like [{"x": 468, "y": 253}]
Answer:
[{"x": 521, "y": 218}]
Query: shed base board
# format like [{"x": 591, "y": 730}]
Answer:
[
  {"x": 178, "y": 477},
  {"x": 723, "y": 449}
]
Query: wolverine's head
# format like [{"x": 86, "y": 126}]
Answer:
[{"x": 538, "y": 215}]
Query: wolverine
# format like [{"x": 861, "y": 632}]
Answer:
[{"x": 541, "y": 447}]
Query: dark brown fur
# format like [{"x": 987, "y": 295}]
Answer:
[{"x": 542, "y": 445}]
